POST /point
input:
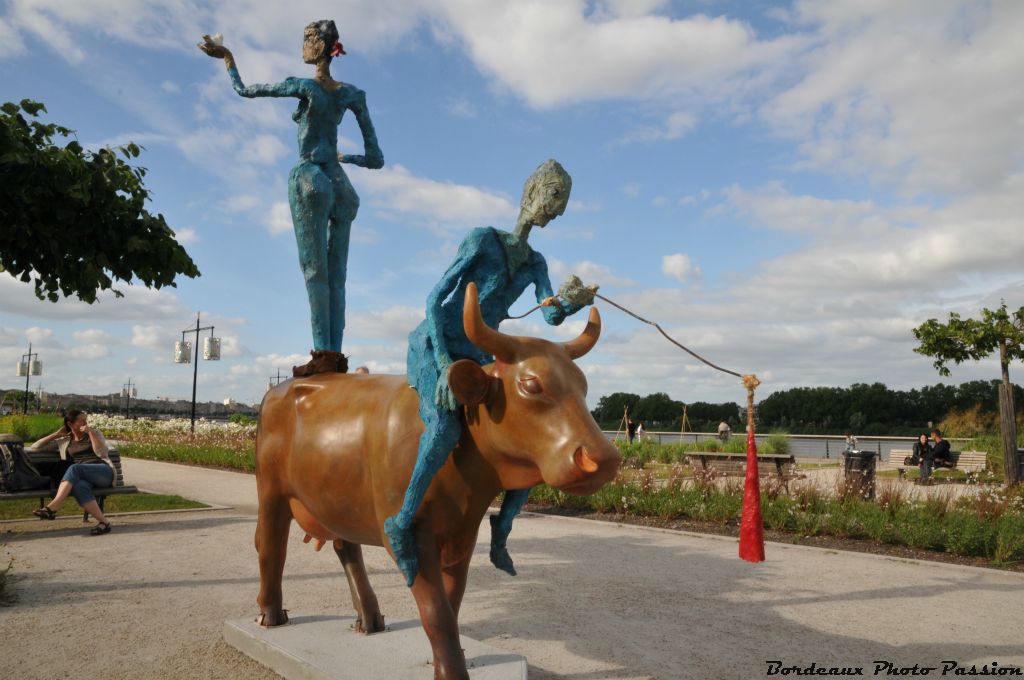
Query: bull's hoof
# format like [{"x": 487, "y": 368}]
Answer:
[
  {"x": 272, "y": 617},
  {"x": 502, "y": 560},
  {"x": 403, "y": 545},
  {"x": 376, "y": 624}
]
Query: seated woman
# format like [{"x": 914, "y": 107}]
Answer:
[
  {"x": 87, "y": 450},
  {"x": 922, "y": 456}
]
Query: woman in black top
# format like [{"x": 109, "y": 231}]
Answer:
[
  {"x": 921, "y": 449},
  {"x": 88, "y": 450}
]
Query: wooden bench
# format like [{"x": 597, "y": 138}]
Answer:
[
  {"x": 968, "y": 461},
  {"x": 49, "y": 463},
  {"x": 768, "y": 464}
]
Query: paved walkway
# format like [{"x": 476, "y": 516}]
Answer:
[{"x": 593, "y": 600}]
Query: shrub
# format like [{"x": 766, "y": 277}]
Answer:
[
  {"x": 241, "y": 419},
  {"x": 779, "y": 513},
  {"x": 920, "y": 527},
  {"x": 969, "y": 534},
  {"x": 1010, "y": 538},
  {"x": 778, "y": 443},
  {"x": 890, "y": 495}
]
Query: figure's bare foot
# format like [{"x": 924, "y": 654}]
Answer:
[{"x": 269, "y": 618}]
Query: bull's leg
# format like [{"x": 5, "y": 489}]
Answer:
[
  {"x": 455, "y": 577},
  {"x": 439, "y": 619},
  {"x": 272, "y": 523},
  {"x": 369, "y": 620}
]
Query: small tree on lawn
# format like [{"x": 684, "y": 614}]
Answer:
[
  {"x": 960, "y": 340},
  {"x": 75, "y": 220}
]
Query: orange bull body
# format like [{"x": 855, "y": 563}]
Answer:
[{"x": 336, "y": 452}]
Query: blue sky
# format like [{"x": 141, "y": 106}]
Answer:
[{"x": 788, "y": 187}]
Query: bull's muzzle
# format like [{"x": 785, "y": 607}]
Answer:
[{"x": 594, "y": 466}]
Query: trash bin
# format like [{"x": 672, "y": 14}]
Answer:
[
  {"x": 1020, "y": 464},
  {"x": 859, "y": 467}
]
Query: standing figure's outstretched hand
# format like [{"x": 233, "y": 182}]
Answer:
[{"x": 211, "y": 46}]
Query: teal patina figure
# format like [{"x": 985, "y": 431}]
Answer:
[
  {"x": 323, "y": 202},
  {"x": 502, "y": 265}
]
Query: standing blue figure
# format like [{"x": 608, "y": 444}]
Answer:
[
  {"x": 322, "y": 200},
  {"x": 502, "y": 264}
]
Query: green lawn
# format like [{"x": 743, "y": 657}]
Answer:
[{"x": 136, "y": 502}]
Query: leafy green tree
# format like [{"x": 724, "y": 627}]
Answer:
[
  {"x": 74, "y": 220},
  {"x": 959, "y": 340},
  {"x": 657, "y": 408},
  {"x": 611, "y": 407}
]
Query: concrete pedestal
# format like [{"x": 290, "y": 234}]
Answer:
[{"x": 325, "y": 648}]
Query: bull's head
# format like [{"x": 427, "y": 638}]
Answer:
[{"x": 527, "y": 411}]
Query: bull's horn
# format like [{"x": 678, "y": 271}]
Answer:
[
  {"x": 588, "y": 338},
  {"x": 480, "y": 334}
]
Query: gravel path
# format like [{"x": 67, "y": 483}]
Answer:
[{"x": 593, "y": 600}]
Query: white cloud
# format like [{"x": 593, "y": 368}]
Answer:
[
  {"x": 680, "y": 267},
  {"x": 138, "y": 303},
  {"x": 241, "y": 203},
  {"x": 90, "y": 352},
  {"x": 391, "y": 323},
  {"x": 93, "y": 336},
  {"x": 10, "y": 42},
  {"x": 675, "y": 126},
  {"x": 37, "y": 334},
  {"x": 589, "y": 272},
  {"x": 916, "y": 94},
  {"x": 448, "y": 204},
  {"x": 773, "y": 207},
  {"x": 186, "y": 236},
  {"x": 554, "y": 53},
  {"x": 461, "y": 107},
  {"x": 149, "y": 336},
  {"x": 170, "y": 87},
  {"x": 631, "y": 189},
  {"x": 262, "y": 150},
  {"x": 279, "y": 218}
]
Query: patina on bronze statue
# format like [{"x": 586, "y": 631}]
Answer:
[{"x": 335, "y": 453}]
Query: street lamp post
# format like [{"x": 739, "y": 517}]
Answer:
[
  {"x": 183, "y": 355},
  {"x": 27, "y": 367},
  {"x": 129, "y": 390},
  {"x": 275, "y": 381}
]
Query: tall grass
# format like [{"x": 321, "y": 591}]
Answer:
[
  {"x": 32, "y": 427},
  {"x": 989, "y": 524},
  {"x": 236, "y": 456}
]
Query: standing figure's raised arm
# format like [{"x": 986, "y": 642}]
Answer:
[{"x": 291, "y": 87}]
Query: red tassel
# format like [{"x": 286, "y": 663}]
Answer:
[{"x": 751, "y": 523}]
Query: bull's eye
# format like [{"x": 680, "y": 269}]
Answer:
[{"x": 530, "y": 385}]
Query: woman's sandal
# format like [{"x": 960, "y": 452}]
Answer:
[
  {"x": 100, "y": 529},
  {"x": 44, "y": 513}
]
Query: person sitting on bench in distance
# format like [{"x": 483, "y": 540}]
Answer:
[
  {"x": 88, "y": 451},
  {"x": 940, "y": 450},
  {"x": 922, "y": 456}
]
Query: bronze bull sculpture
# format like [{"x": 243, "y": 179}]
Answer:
[{"x": 335, "y": 453}]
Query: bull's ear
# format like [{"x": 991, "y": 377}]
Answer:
[{"x": 468, "y": 382}]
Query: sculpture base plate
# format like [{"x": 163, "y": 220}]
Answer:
[{"x": 326, "y": 648}]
